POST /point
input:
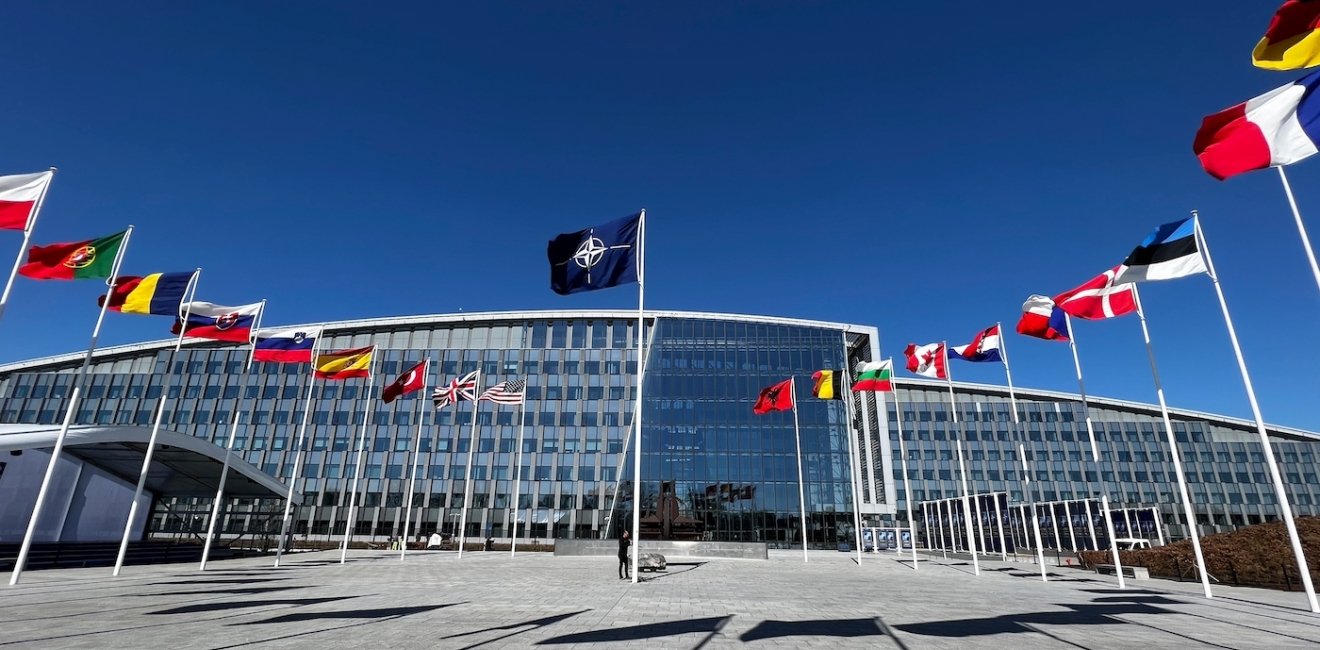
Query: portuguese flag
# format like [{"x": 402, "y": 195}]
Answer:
[
  {"x": 82, "y": 260},
  {"x": 875, "y": 376}
]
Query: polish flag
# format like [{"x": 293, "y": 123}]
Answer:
[{"x": 19, "y": 194}]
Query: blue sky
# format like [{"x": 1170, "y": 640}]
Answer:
[{"x": 919, "y": 168}]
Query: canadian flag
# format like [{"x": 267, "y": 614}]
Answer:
[
  {"x": 927, "y": 360},
  {"x": 19, "y": 194}
]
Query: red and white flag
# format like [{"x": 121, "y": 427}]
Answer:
[
  {"x": 19, "y": 194},
  {"x": 413, "y": 380},
  {"x": 928, "y": 360},
  {"x": 1099, "y": 298}
]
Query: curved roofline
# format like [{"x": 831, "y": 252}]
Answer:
[
  {"x": 445, "y": 319},
  {"x": 1143, "y": 407}
]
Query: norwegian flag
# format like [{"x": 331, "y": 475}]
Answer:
[
  {"x": 1099, "y": 299},
  {"x": 457, "y": 390}
]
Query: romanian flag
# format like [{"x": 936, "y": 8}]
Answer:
[
  {"x": 345, "y": 364},
  {"x": 827, "y": 385},
  {"x": 93, "y": 258},
  {"x": 1292, "y": 40},
  {"x": 158, "y": 294}
]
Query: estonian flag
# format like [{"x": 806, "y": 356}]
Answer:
[
  {"x": 596, "y": 258},
  {"x": 1172, "y": 251}
]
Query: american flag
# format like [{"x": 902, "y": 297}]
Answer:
[
  {"x": 458, "y": 390},
  {"x": 506, "y": 392}
]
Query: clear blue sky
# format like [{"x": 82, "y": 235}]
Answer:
[{"x": 922, "y": 168}]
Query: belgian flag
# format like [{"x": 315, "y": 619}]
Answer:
[{"x": 828, "y": 385}]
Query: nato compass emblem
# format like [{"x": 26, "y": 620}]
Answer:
[
  {"x": 592, "y": 251},
  {"x": 599, "y": 257}
]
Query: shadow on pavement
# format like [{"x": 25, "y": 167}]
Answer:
[
  {"x": 240, "y": 604},
  {"x": 851, "y": 627},
  {"x": 381, "y": 613},
  {"x": 223, "y": 581},
  {"x": 208, "y": 592},
  {"x": 689, "y": 566},
  {"x": 527, "y": 626},
  {"x": 639, "y": 632}
]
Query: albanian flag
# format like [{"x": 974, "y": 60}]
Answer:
[{"x": 775, "y": 398}]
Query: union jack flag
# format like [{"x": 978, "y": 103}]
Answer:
[
  {"x": 505, "y": 392},
  {"x": 457, "y": 390}
]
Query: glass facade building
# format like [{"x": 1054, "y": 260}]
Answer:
[{"x": 711, "y": 469}]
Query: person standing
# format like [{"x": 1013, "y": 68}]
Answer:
[{"x": 624, "y": 542}]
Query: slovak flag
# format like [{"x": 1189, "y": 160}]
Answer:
[
  {"x": 984, "y": 347},
  {"x": 1043, "y": 320},
  {"x": 1280, "y": 127},
  {"x": 928, "y": 360},
  {"x": 206, "y": 320},
  {"x": 1099, "y": 298},
  {"x": 285, "y": 346}
]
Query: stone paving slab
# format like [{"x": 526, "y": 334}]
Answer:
[{"x": 489, "y": 600}]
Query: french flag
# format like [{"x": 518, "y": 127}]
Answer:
[
  {"x": 1042, "y": 319},
  {"x": 285, "y": 346},
  {"x": 1280, "y": 127}
]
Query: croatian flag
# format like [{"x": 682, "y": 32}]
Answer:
[
  {"x": 1280, "y": 127},
  {"x": 1099, "y": 298},
  {"x": 984, "y": 347},
  {"x": 1043, "y": 320},
  {"x": 208, "y": 320},
  {"x": 285, "y": 346},
  {"x": 18, "y": 196}
]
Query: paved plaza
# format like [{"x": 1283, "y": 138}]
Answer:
[{"x": 489, "y": 600}]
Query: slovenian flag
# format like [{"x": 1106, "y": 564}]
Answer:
[
  {"x": 1280, "y": 127},
  {"x": 984, "y": 347},
  {"x": 285, "y": 346},
  {"x": 1172, "y": 251},
  {"x": 219, "y": 322},
  {"x": 1042, "y": 319}
]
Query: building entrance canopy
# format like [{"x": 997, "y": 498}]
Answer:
[{"x": 182, "y": 466}]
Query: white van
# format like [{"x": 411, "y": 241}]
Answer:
[{"x": 1131, "y": 543}]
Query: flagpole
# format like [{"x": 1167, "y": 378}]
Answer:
[
  {"x": 1301, "y": 228},
  {"x": 417, "y": 453},
  {"x": 902, "y": 451},
  {"x": 854, "y": 467},
  {"x": 637, "y": 416},
  {"x": 797, "y": 439},
  {"x": 962, "y": 467},
  {"x": 27, "y": 239},
  {"x": 302, "y": 430},
  {"x": 517, "y": 474},
  {"x": 190, "y": 292},
  {"x": 362, "y": 448},
  {"x": 68, "y": 414},
  {"x": 472, "y": 451},
  {"x": 1173, "y": 448},
  {"x": 1285, "y": 509},
  {"x": 1095, "y": 457}
]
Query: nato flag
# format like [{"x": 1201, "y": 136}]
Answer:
[{"x": 595, "y": 258}]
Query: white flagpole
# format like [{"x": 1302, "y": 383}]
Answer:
[
  {"x": 902, "y": 451},
  {"x": 302, "y": 431},
  {"x": 417, "y": 454},
  {"x": 467, "y": 475},
  {"x": 1095, "y": 457},
  {"x": 637, "y": 416},
  {"x": 1285, "y": 509},
  {"x": 27, "y": 239},
  {"x": 853, "y": 465},
  {"x": 962, "y": 466},
  {"x": 189, "y": 292},
  {"x": 797, "y": 439},
  {"x": 999, "y": 525},
  {"x": 68, "y": 415},
  {"x": 1173, "y": 448},
  {"x": 1301, "y": 228},
  {"x": 362, "y": 449},
  {"x": 517, "y": 474},
  {"x": 1028, "y": 491}
]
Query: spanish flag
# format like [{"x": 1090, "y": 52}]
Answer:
[
  {"x": 345, "y": 364},
  {"x": 1292, "y": 41},
  {"x": 828, "y": 385}
]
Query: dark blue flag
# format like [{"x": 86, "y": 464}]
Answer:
[{"x": 595, "y": 258}]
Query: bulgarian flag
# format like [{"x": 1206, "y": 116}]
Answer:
[
  {"x": 93, "y": 258},
  {"x": 875, "y": 376}
]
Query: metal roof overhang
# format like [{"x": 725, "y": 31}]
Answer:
[{"x": 182, "y": 466}]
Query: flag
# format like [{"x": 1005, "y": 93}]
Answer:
[
  {"x": 1292, "y": 40},
  {"x": 1042, "y": 319},
  {"x": 208, "y": 320},
  {"x": 1172, "y": 251},
  {"x": 458, "y": 390},
  {"x": 775, "y": 398},
  {"x": 505, "y": 392},
  {"x": 410, "y": 381},
  {"x": 984, "y": 346},
  {"x": 1099, "y": 298},
  {"x": 1280, "y": 127},
  {"x": 285, "y": 346},
  {"x": 92, "y": 258},
  {"x": 827, "y": 385},
  {"x": 875, "y": 376},
  {"x": 158, "y": 294},
  {"x": 596, "y": 258},
  {"x": 345, "y": 364},
  {"x": 19, "y": 194},
  {"x": 927, "y": 360}
]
